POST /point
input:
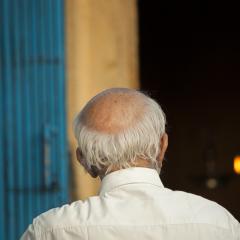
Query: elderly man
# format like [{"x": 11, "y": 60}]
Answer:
[{"x": 121, "y": 138}]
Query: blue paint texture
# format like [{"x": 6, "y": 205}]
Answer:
[{"x": 33, "y": 146}]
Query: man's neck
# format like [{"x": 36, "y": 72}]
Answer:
[{"x": 138, "y": 163}]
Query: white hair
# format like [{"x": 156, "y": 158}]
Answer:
[{"x": 111, "y": 150}]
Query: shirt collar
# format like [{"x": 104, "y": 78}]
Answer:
[{"x": 128, "y": 176}]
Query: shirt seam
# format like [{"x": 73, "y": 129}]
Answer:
[
  {"x": 87, "y": 233},
  {"x": 132, "y": 183},
  {"x": 122, "y": 225}
]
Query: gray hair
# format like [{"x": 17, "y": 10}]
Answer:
[{"x": 109, "y": 150}]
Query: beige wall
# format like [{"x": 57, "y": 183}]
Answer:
[{"x": 101, "y": 52}]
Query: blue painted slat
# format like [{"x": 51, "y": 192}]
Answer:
[
  {"x": 38, "y": 109},
  {"x": 35, "y": 133},
  {"x": 44, "y": 90},
  {"x": 63, "y": 164},
  {"x": 19, "y": 200},
  {"x": 27, "y": 84},
  {"x": 2, "y": 178},
  {"x": 54, "y": 114},
  {"x": 8, "y": 123}
]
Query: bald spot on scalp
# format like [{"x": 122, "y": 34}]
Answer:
[{"x": 113, "y": 112}]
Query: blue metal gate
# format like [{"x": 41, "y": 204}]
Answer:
[{"x": 33, "y": 152}]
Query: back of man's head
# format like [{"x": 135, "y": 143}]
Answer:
[{"x": 118, "y": 126}]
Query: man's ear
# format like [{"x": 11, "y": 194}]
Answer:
[
  {"x": 78, "y": 154},
  {"x": 93, "y": 171},
  {"x": 163, "y": 147}
]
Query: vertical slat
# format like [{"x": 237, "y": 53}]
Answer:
[
  {"x": 54, "y": 92},
  {"x": 44, "y": 87},
  {"x": 61, "y": 107},
  {"x": 38, "y": 110},
  {"x": 56, "y": 103},
  {"x": 9, "y": 161},
  {"x": 2, "y": 179},
  {"x": 34, "y": 182},
  {"x": 18, "y": 111},
  {"x": 49, "y": 109},
  {"x": 26, "y": 82},
  {"x": 58, "y": 92}
]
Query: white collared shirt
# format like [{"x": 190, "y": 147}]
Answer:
[{"x": 133, "y": 204}]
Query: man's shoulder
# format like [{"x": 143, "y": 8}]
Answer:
[
  {"x": 68, "y": 215},
  {"x": 206, "y": 211}
]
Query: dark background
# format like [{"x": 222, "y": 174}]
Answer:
[{"x": 190, "y": 63}]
